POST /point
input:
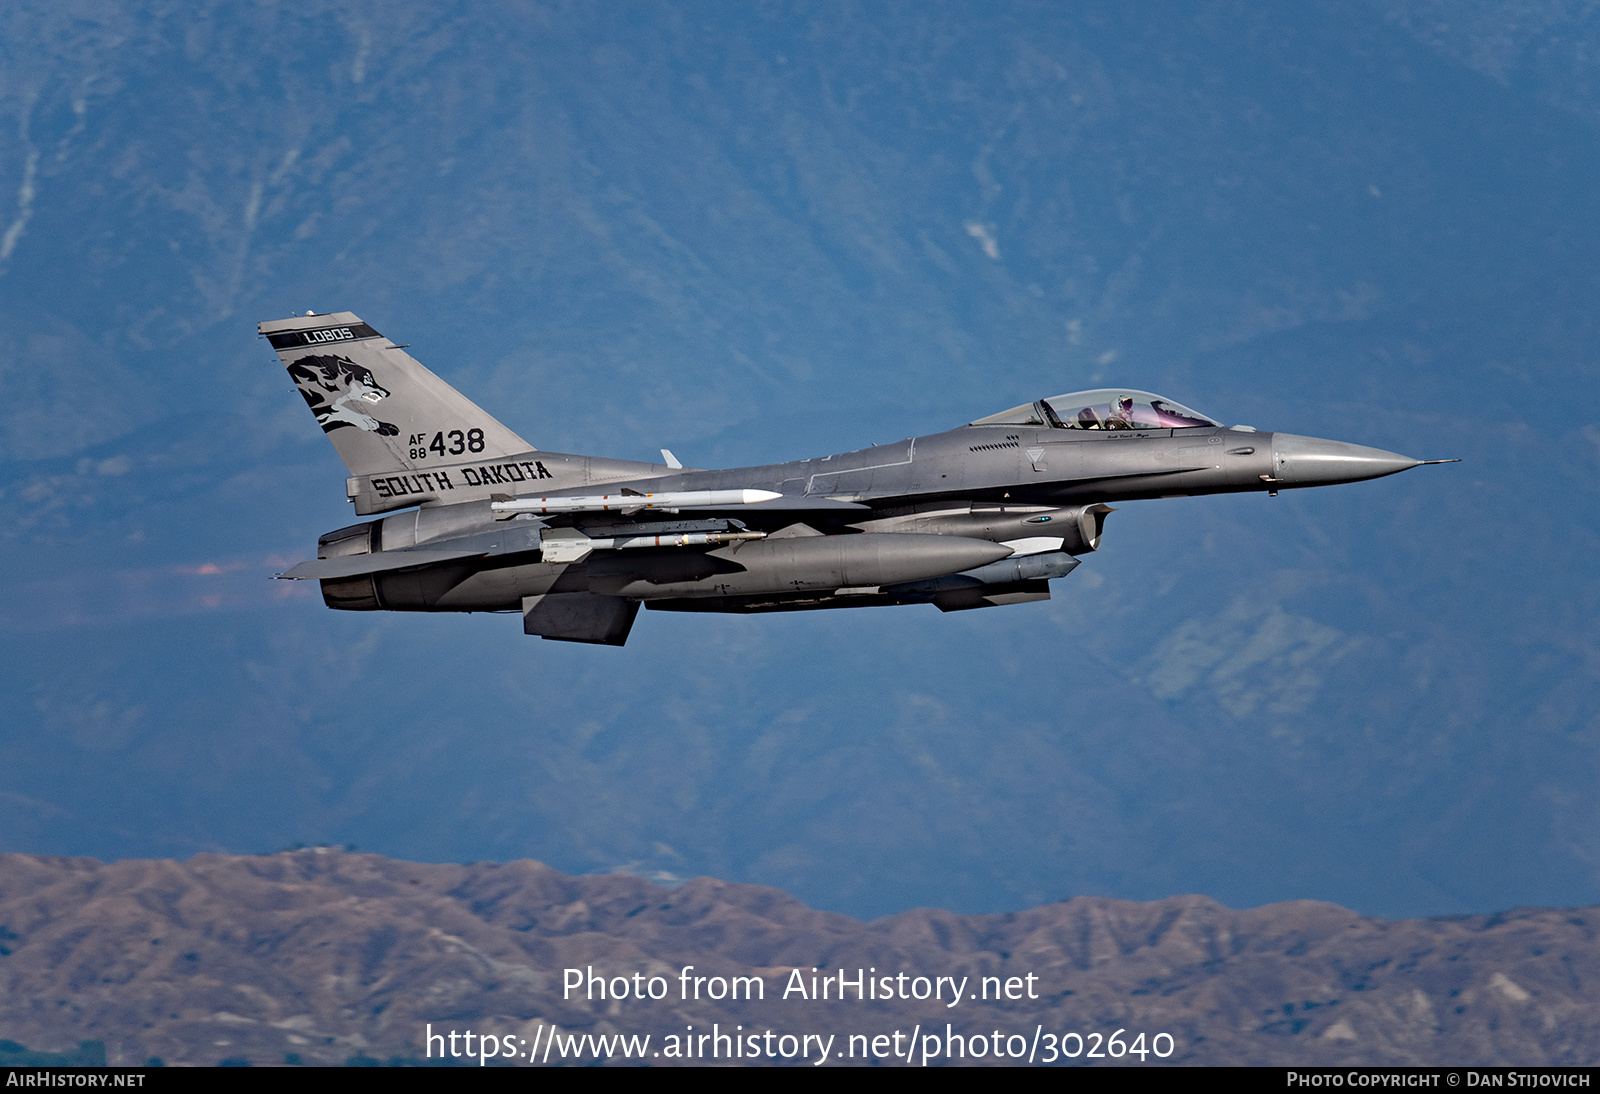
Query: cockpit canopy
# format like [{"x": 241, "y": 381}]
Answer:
[{"x": 1106, "y": 408}]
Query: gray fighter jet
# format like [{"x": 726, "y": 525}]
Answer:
[{"x": 981, "y": 515}]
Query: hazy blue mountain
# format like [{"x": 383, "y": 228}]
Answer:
[{"x": 758, "y": 231}]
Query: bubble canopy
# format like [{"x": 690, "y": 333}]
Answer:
[{"x": 1105, "y": 408}]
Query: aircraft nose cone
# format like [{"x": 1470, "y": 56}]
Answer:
[{"x": 1312, "y": 461}]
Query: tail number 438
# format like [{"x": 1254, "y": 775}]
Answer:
[{"x": 451, "y": 443}]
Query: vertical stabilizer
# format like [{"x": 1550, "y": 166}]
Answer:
[{"x": 382, "y": 410}]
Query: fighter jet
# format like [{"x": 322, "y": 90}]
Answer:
[{"x": 982, "y": 515}]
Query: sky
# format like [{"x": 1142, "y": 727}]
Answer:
[{"x": 753, "y": 232}]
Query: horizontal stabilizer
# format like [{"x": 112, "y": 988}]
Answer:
[{"x": 382, "y": 562}]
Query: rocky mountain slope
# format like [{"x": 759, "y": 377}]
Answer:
[{"x": 319, "y": 956}]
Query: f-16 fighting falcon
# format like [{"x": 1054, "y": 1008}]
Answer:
[{"x": 981, "y": 515}]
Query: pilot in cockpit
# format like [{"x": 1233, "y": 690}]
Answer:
[
  {"x": 1121, "y": 416},
  {"x": 1106, "y": 408}
]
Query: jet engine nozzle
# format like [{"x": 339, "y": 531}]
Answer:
[{"x": 1312, "y": 461}]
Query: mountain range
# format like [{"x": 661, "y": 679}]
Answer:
[{"x": 320, "y": 956}]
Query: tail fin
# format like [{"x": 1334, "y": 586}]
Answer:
[{"x": 382, "y": 410}]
